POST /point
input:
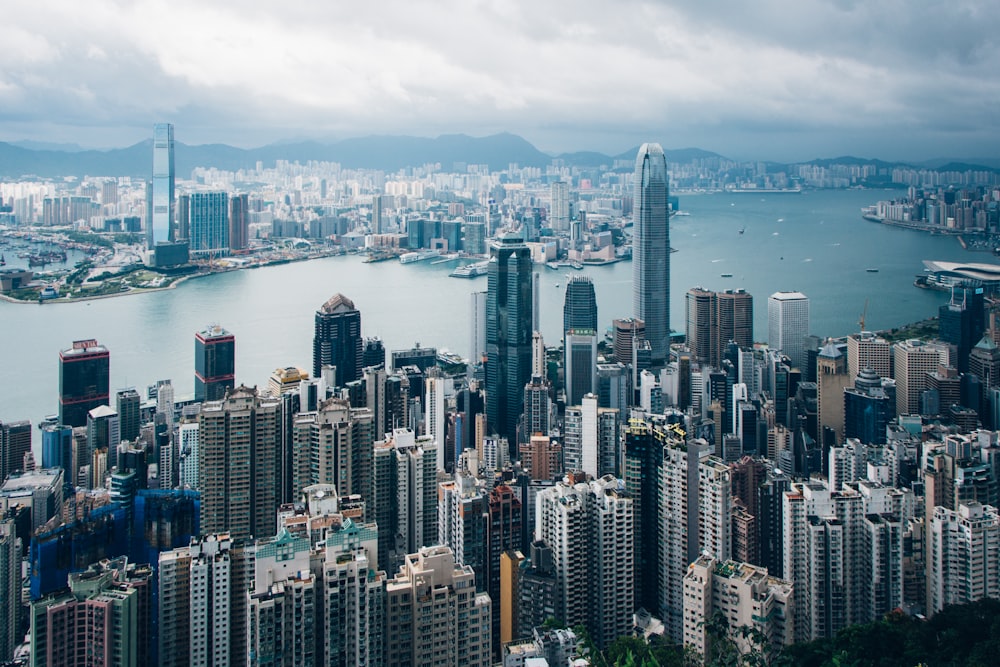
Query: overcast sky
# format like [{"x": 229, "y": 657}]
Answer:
[{"x": 795, "y": 80}]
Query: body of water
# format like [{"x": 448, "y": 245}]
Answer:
[{"x": 815, "y": 242}]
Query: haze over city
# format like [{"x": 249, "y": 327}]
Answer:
[{"x": 771, "y": 80}]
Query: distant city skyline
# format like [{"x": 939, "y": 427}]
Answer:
[{"x": 770, "y": 81}]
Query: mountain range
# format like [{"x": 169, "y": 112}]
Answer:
[{"x": 388, "y": 153}]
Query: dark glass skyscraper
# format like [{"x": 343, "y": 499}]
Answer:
[
  {"x": 214, "y": 363},
  {"x": 651, "y": 249},
  {"x": 580, "y": 305},
  {"x": 508, "y": 335},
  {"x": 337, "y": 340},
  {"x": 84, "y": 380}
]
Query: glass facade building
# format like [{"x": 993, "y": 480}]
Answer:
[
  {"x": 214, "y": 363},
  {"x": 159, "y": 225},
  {"x": 651, "y": 249},
  {"x": 209, "y": 220},
  {"x": 84, "y": 381}
]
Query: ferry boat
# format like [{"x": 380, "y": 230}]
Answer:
[
  {"x": 471, "y": 270},
  {"x": 872, "y": 270},
  {"x": 410, "y": 257},
  {"x": 727, "y": 275}
]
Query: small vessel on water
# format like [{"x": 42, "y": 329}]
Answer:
[
  {"x": 727, "y": 275},
  {"x": 471, "y": 270},
  {"x": 872, "y": 270}
]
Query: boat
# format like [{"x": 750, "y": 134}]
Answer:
[
  {"x": 743, "y": 230},
  {"x": 410, "y": 257},
  {"x": 471, "y": 270},
  {"x": 872, "y": 270},
  {"x": 727, "y": 275},
  {"x": 3, "y": 261}
]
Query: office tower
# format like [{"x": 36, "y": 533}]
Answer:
[
  {"x": 844, "y": 551},
  {"x": 436, "y": 616},
  {"x": 788, "y": 325},
  {"x": 580, "y": 304},
  {"x": 404, "y": 495},
  {"x": 184, "y": 217},
  {"x": 377, "y": 224},
  {"x": 159, "y": 224},
  {"x": 626, "y": 332},
  {"x": 84, "y": 383},
  {"x": 508, "y": 335},
  {"x": 912, "y": 361},
  {"x": 41, "y": 491},
  {"x": 214, "y": 363},
  {"x": 477, "y": 328},
  {"x": 239, "y": 223},
  {"x": 127, "y": 403},
  {"x": 651, "y": 249},
  {"x": 962, "y": 322},
  {"x": 103, "y": 619},
  {"x": 590, "y": 439},
  {"x": 15, "y": 443},
  {"x": 614, "y": 388},
  {"x": 559, "y": 214},
  {"x": 733, "y": 320},
  {"x": 984, "y": 362},
  {"x": 10, "y": 589},
  {"x": 209, "y": 224},
  {"x": 536, "y": 302},
  {"x": 580, "y": 364},
  {"x": 963, "y": 549},
  {"x": 869, "y": 406},
  {"x": 372, "y": 352},
  {"x": 337, "y": 339},
  {"x": 203, "y": 603},
  {"x": 57, "y": 448},
  {"x": 434, "y": 421},
  {"x": 700, "y": 316},
  {"x": 103, "y": 435},
  {"x": 281, "y": 609},
  {"x": 537, "y": 417},
  {"x": 421, "y": 357},
  {"x": 746, "y": 596},
  {"x": 539, "y": 362},
  {"x": 590, "y": 528},
  {"x": 237, "y": 464},
  {"x": 868, "y": 350},
  {"x": 832, "y": 379}
]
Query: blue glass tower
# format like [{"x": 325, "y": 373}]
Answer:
[
  {"x": 651, "y": 249},
  {"x": 209, "y": 220},
  {"x": 159, "y": 226}
]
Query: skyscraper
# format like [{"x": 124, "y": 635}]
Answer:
[
  {"x": 580, "y": 304},
  {"x": 159, "y": 226},
  {"x": 84, "y": 372},
  {"x": 337, "y": 339},
  {"x": 788, "y": 325},
  {"x": 214, "y": 363},
  {"x": 508, "y": 335},
  {"x": 239, "y": 223},
  {"x": 651, "y": 249},
  {"x": 209, "y": 224},
  {"x": 10, "y": 589}
]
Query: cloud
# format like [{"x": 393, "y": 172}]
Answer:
[{"x": 732, "y": 77}]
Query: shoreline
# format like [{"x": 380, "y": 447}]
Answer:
[{"x": 173, "y": 285}]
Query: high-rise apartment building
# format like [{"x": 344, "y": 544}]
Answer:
[
  {"x": 912, "y": 360},
  {"x": 15, "y": 444},
  {"x": 832, "y": 379},
  {"x": 746, "y": 596},
  {"x": 214, "y": 363},
  {"x": 159, "y": 224},
  {"x": 651, "y": 249},
  {"x": 84, "y": 381},
  {"x": 626, "y": 332},
  {"x": 788, "y": 326},
  {"x": 434, "y": 615},
  {"x": 209, "y": 221},
  {"x": 508, "y": 335},
  {"x": 337, "y": 339},
  {"x": 590, "y": 527},
  {"x": 963, "y": 555},
  {"x": 541, "y": 457},
  {"x": 590, "y": 438},
  {"x": 559, "y": 211},
  {"x": 238, "y": 444}
]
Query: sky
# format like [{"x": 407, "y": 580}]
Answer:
[{"x": 770, "y": 80}]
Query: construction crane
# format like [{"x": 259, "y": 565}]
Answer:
[{"x": 861, "y": 322}]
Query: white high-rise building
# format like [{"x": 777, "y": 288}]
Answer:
[
  {"x": 963, "y": 555},
  {"x": 281, "y": 609},
  {"x": 788, "y": 325},
  {"x": 477, "y": 329},
  {"x": 844, "y": 551},
  {"x": 559, "y": 213},
  {"x": 912, "y": 360},
  {"x": 590, "y": 529},
  {"x": 590, "y": 438},
  {"x": 434, "y": 422},
  {"x": 868, "y": 350},
  {"x": 434, "y": 615}
]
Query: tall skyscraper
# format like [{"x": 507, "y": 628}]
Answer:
[
  {"x": 127, "y": 403},
  {"x": 159, "y": 226},
  {"x": 239, "y": 223},
  {"x": 10, "y": 589},
  {"x": 912, "y": 361},
  {"x": 15, "y": 442},
  {"x": 788, "y": 325},
  {"x": 651, "y": 249},
  {"x": 559, "y": 210},
  {"x": 209, "y": 220},
  {"x": 214, "y": 363},
  {"x": 716, "y": 318},
  {"x": 337, "y": 340},
  {"x": 84, "y": 381},
  {"x": 238, "y": 442},
  {"x": 508, "y": 335}
]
